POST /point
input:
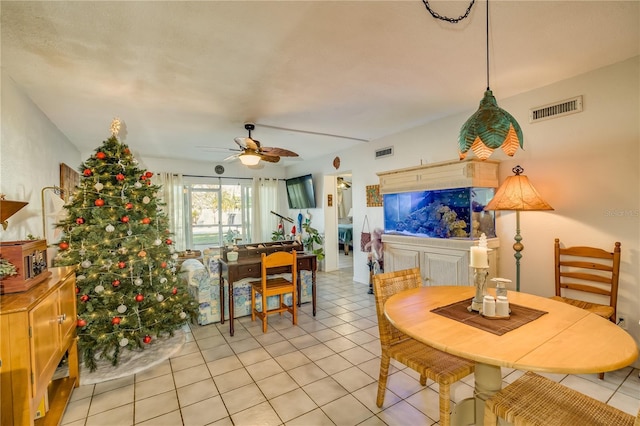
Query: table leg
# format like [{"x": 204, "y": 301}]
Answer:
[
  {"x": 488, "y": 379},
  {"x": 221, "y": 299},
  {"x": 313, "y": 290},
  {"x": 231, "y": 307}
]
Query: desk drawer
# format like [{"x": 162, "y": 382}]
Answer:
[{"x": 248, "y": 271}]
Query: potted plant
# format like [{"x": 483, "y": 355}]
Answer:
[
  {"x": 311, "y": 238},
  {"x": 7, "y": 269}
]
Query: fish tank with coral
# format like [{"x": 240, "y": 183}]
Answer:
[{"x": 443, "y": 213}]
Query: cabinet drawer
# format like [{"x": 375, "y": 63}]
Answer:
[{"x": 248, "y": 271}]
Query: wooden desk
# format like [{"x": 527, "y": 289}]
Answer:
[
  {"x": 565, "y": 340},
  {"x": 249, "y": 267}
]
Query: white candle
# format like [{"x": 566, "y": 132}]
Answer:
[{"x": 479, "y": 258}]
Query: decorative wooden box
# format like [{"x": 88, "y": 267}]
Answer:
[{"x": 30, "y": 259}]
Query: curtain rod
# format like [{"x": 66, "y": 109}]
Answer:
[{"x": 224, "y": 177}]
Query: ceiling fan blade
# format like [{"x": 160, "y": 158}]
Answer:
[
  {"x": 281, "y": 152},
  {"x": 269, "y": 158},
  {"x": 252, "y": 144},
  {"x": 241, "y": 142},
  {"x": 232, "y": 157}
]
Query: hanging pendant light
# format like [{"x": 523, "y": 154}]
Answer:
[{"x": 490, "y": 127}]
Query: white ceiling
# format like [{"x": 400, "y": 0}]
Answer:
[{"x": 187, "y": 75}]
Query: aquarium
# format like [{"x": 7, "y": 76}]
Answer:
[{"x": 443, "y": 213}]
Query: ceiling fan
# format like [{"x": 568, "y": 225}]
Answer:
[
  {"x": 342, "y": 183},
  {"x": 251, "y": 151}
]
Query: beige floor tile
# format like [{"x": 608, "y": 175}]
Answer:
[
  {"x": 173, "y": 418},
  {"x": 324, "y": 391},
  {"x": 111, "y": 399},
  {"x": 155, "y": 406},
  {"x": 196, "y": 392},
  {"x": 357, "y": 355},
  {"x": 264, "y": 369},
  {"x": 348, "y": 411},
  {"x": 81, "y": 392},
  {"x": 204, "y": 412},
  {"x": 154, "y": 386},
  {"x": 292, "y": 404},
  {"x": 153, "y": 372},
  {"x": 242, "y": 398},
  {"x": 232, "y": 380},
  {"x": 315, "y": 418},
  {"x": 317, "y": 352},
  {"x": 261, "y": 414},
  {"x": 191, "y": 375},
  {"x": 340, "y": 344},
  {"x": 218, "y": 352},
  {"x": 76, "y": 410},
  {"x": 186, "y": 361},
  {"x": 253, "y": 356},
  {"x": 224, "y": 365},
  {"x": 110, "y": 385},
  {"x": 353, "y": 378},
  {"x": 277, "y": 385},
  {"x": 121, "y": 416},
  {"x": 292, "y": 360},
  {"x": 306, "y": 374},
  {"x": 334, "y": 363},
  {"x": 280, "y": 348}
]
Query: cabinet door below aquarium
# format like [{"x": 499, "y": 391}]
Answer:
[{"x": 445, "y": 269}]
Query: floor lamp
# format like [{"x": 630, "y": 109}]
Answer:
[{"x": 517, "y": 193}]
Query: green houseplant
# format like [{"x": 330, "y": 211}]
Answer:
[{"x": 311, "y": 238}]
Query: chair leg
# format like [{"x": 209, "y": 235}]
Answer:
[
  {"x": 445, "y": 404},
  {"x": 601, "y": 376},
  {"x": 294, "y": 306},
  {"x": 385, "y": 360},
  {"x": 264, "y": 313},
  {"x": 423, "y": 380},
  {"x": 490, "y": 418}
]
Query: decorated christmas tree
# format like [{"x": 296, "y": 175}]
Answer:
[{"x": 128, "y": 293}]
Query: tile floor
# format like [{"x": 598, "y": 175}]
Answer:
[{"x": 322, "y": 372}]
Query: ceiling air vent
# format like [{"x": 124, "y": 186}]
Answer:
[
  {"x": 557, "y": 109},
  {"x": 384, "y": 152}
]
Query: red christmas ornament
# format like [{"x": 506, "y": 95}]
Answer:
[
  {"x": 84, "y": 298},
  {"x": 146, "y": 220},
  {"x": 127, "y": 151},
  {"x": 163, "y": 265},
  {"x": 174, "y": 290},
  {"x": 120, "y": 177},
  {"x": 143, "y": 177},
  {"x": 128, "y": 206},
  {"x": 148, "y": 183},
  {"x": 63, "y": 245},
  {"x": 101, "y": 155},
  {"x": 115, "y": 283},
  {"x": 81, "y": 322},
  {"x": 87, "y": 172},
  {"x": 139, "y": 298},
  {"x": 77, "y": 290},
  {"x": 116, "y": 320},
  {"x": 99, "y": 202},
  {"x": 147, "y": 339},
  {"x": 122, "y": 265},
  {"x": 80, "y": 220},
  {"x": 168, "y": 241},
  {"x": 124, "y": 219}
]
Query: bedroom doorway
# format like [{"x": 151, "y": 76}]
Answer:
[{"x": 345, "y": 221}]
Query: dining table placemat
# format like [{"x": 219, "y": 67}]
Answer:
[{"x": 520, "y": 315}]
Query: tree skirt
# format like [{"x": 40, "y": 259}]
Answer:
[{"x": 132, "y": 361}]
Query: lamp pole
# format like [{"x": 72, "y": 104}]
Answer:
[{"x": 518, "y": 247}]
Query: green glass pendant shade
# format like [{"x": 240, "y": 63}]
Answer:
[{"x": 490, "y": 127}]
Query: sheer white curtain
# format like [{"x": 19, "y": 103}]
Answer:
[
  {"x": 172, "y": 195},
  {"x": 268, "y": 195}
]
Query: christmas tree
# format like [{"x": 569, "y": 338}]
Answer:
[{"x": 128, "y": 293}]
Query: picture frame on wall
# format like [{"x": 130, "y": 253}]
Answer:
[
  {"x": 69, "y": 179},
  {"x": 374, "y": 199}
]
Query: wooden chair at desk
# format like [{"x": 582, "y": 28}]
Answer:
[
  {"x": 431, "y": 363},
  {"x": 534, "y": 400},
  {"x": 588, "y": 270},
  {"x": 275, "y": 286}
]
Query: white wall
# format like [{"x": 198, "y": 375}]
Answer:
[
  {"x": 31, "y": 151},
  {"x": 585, "y": 165}
]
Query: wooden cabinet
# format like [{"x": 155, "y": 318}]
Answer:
[
  {"x": 445, "y": 175},
  {"x": 441, "y": 261},
  {"x": 38, "y": 328}
]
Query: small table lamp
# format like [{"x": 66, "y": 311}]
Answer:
[{"x": 517, "y": 193}]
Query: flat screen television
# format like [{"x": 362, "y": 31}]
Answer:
[{"x": 300, "y": 192}]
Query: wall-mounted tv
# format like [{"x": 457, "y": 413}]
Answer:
[{"x": 300, "y": 192}]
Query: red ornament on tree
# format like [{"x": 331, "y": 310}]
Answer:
[
  {"x": 163, "y": 265},
  {"x": 80, "y": 220},
  {"x": 116, "y": 320},
  {"x": 149, "y": 175},
  {"x": 77, "y": 290},
  {"x": 143, "y": 177},
  {"x": 63, "y": 245},
  {"x": 99, "y": 202},
  {"x": 169, "y": 242},
  {"x": 128, "y": 206},
  {"x": 139, "y": 297},
  {"x": 87, "y": 172},
  {"x": 101, "y": 155},
  {"x": 124, "y": 219},
  {"x": 127, "y": 151},
  {"x": 81, "y": 322},
  {"x": 146, "y": 220},
  {"x": 174, "y": 290},
  {"x": 148, "y": 183},
  {"x": 84, "y": 298},
  {"x": 120, "y": 177},
  {"x": 147, "y": 339},
  {"x": 115, "y": 283},
  {"x": 122, "y": 265}
]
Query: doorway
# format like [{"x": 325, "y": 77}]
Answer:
[{"x": 345, "y": 220}]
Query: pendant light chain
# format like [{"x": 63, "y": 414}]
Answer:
[
  {"x": 445, "y": 18},
  {"x": 488, "y": 45}
]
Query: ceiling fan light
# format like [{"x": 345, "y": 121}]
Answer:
[{"x": 249, "y": 159}]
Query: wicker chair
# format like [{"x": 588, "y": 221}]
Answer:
[
  {"x": 535, "y": 400},
  {"x": 431, "y": 363},
  {"x": 275, "y": 286}
]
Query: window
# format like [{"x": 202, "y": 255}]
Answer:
[{"x": 217, "y": 211}]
